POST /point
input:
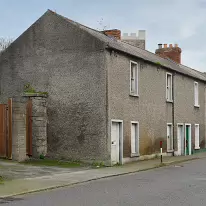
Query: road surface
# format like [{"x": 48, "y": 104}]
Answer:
[{"x": 168, "y": 186}]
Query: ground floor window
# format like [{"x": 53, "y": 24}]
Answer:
[
  {"x": 197, "y": 136},
  {"x": 134, "y": 138}
]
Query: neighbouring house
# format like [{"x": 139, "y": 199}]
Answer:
[{"x": 108, "y": 99}]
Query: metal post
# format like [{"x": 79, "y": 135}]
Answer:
[{"x": 161, "y": 150}]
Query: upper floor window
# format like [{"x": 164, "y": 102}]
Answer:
[
  {"x": 196, "y": 94},
  {"x": 133, "y": 78},
  {"x": 169, "y": 87}
]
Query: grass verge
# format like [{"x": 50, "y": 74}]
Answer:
[{"x": 52, "y": 163}]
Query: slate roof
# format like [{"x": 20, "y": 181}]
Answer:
[{"x": 119, "y": 45}]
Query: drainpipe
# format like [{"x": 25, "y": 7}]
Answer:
[{"x": 173, "y": 114}]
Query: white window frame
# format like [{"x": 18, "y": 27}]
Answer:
[
  {"x": 169, "y": 87},
  {"x": 136, "y": 152},
  {"x": 136, "y": 92},
  {"x": 196, "y": 94},
  {"x": 171, "y": 125},
  {"x": 197, "y": 136}
]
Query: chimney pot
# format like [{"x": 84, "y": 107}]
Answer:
[
  {"x": 160, "y": 46},
  {"x": 176, "y": 45},
  {"x": 171, "y": 46},
  {"x": 165, "y": 45}
]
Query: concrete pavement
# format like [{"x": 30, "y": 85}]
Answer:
[
  {"x": 14, "y": 170},
  {"x": 56, "y": 180}
]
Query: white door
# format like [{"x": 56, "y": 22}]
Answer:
[
  {"x": 180, "y": 140},
  {"x": 115, "y": 137},
  {"x": 169, "y": 138}
]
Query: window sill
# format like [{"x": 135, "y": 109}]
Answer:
[
  {"x": 134, "y": 95},
  {"x": 197, "y": 106},
  {"x": 170, "y": 151},
  {"x": 196, "y": 148},
  {"x": 134, "y": 155},
  {"x": 169, "y": 101}
]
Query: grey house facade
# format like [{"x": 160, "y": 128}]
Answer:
[{"x": 107, "y": 100}]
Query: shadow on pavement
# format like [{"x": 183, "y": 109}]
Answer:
[{"x": 9, "y": 200}]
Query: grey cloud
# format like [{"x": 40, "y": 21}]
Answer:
[{"x": 201, "y": 4}]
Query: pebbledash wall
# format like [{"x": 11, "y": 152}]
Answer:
[
  {"x": 150, "y": 108},
  {"x": 57, "y": 57},
  {"x": 39, "y": 126}
]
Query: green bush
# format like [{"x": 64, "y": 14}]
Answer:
[{"x": 41, "y": 156}]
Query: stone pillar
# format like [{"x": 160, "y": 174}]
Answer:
[
  {"x": 19, "y": 128},
  {"x": 39, "y": 125}
]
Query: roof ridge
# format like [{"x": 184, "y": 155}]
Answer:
[
  {"x": 172, "y": 61},
  {"x": 195, "y": 70},
  {"x": 145, "y": 50}
]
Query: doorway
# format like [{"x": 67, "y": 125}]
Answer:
[
  {"x": 188, "y": 143},
  {"x": 117, "y": 142},
  {"x": 3, "y": 130},
  {"x": 180, "y": 139}
]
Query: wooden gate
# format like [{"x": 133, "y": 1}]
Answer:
[
  {"x": 6, "y": 130},
  {"x": 3, "y": 129}
]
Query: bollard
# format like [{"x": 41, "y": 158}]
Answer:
[{"x": 161, "y": 150}]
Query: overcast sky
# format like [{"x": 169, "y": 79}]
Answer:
[{"x": 165, "y": 21}]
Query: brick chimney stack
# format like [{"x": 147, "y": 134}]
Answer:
[
  {"x": 113, "y": 33},
  {"x": 171, "y": 52}
]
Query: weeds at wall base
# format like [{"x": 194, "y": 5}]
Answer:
[{"x": 1, "y": 180}]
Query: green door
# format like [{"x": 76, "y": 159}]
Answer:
[{"x": 187, "y": 140}]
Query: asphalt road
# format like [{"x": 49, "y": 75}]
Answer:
[{"x": 168, "y": 186}]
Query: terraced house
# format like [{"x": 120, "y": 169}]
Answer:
[{"x": 109, "y": 99}]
